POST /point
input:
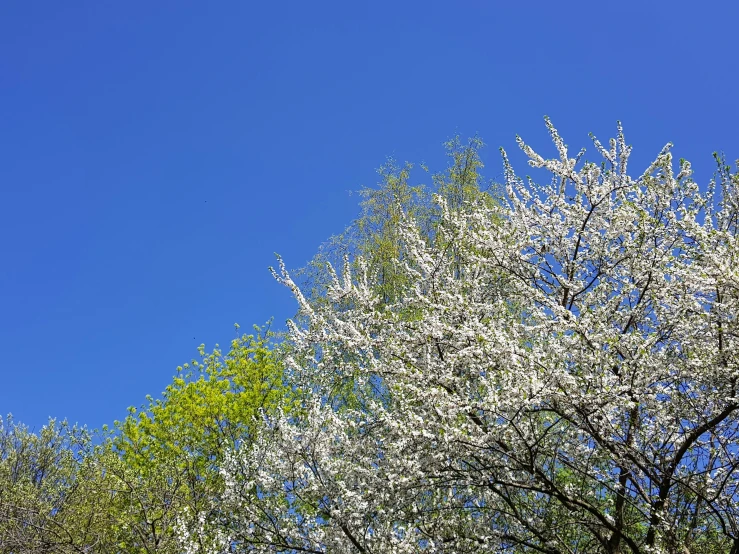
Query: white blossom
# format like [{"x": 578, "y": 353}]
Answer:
[{"x": 564, "y": 379}]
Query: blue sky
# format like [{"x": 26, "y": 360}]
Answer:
[{"x": 155, "y": 155}]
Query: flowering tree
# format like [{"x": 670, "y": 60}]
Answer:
[{"x": 558, "y": 374}]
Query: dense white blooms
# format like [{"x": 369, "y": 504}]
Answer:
[{"x": 559, "y": 374}]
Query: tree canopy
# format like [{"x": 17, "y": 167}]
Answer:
[{"x": 524, "y": 368}]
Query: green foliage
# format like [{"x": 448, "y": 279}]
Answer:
[
  {"x": 166, "y": 456},
  {"x": 60, "y": 492},
  {"x": 55, "y": 496},
  {"x": 374, "y": 235}
]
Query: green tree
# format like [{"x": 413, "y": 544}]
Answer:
[
  {"x": 166, "y": 457},
  {"x": 375, "y": 234},
  {"x": 55, "y": 496}
]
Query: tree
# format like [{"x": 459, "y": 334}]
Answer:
[
  {"x": 553, "y": 373},
  {"x": 374, "y": 238},
  {"x": 165, "y": 459},
  {"x": 62, "y": 493},
  {"x": 54, "y": 494},
  {"x": 375, "y": 235}
]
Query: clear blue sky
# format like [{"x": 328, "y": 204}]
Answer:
[{"x": 154, "y": 155}]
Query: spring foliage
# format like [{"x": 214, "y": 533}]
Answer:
[
  {"x": 544, "y": 368},
  {"x": 60, "y": 493}
]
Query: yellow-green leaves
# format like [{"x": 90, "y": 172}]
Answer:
[
  {"x": 54, "y": 493},
  {"x": 169, "y": 452}
]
